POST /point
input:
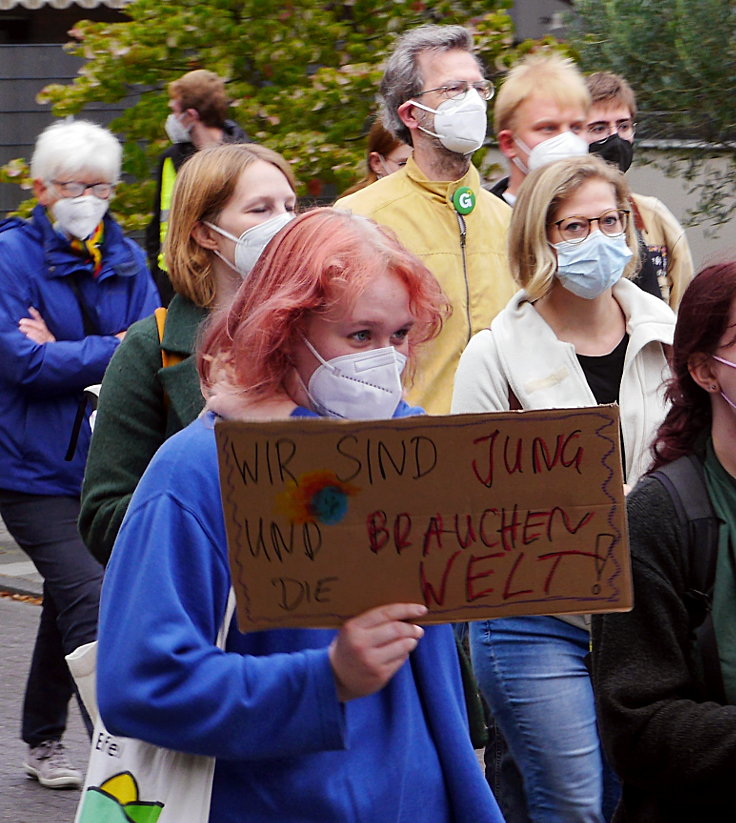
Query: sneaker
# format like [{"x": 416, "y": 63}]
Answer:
[{"x": 48, "y": 764}]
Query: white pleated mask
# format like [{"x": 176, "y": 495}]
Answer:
[{"x": 364, "y": 385}]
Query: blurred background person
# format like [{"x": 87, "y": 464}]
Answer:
[
  {"x": 228, "y": 202},
  {"x": 198, "y": 119},
  {"x": 667, "y": 265},
  {"x": 384, "y": 155},
  {"x": 70, "y": 285},
  {"x": 579, "y": 333},
  {"x": 666, "y": 700}
]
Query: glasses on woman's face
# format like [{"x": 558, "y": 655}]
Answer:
[
  {"x": 72, "y": 188},
  {"x": 575, "y": 229}
]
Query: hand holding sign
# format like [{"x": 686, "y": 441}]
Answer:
[{"x": 372, "y": 647}]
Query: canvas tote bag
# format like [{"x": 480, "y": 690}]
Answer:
[{"x": 131, "y": 781}]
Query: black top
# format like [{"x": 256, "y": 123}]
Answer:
[{"x": 603, "y": 372}]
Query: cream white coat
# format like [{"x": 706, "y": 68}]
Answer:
[{"x": 521, "y": 352}]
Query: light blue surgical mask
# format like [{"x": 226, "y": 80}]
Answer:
[{"x": 587, "y": 269}]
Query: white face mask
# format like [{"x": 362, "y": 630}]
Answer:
[
  {"x": 79, "y": 216},
  {"x": 365, "y": 385},
  {"x": 460, "y": 125},
  {"x": 252, "y": 242},
  {"x": 560, "y": 147},
  {"x": 175, "y": 131}
]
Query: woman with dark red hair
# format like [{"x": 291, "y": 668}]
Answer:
[{"x": 669, "y": 727}]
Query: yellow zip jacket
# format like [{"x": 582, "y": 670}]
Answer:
[{"x": 467, "y": 254}]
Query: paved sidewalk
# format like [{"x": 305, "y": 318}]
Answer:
[
  {"x": 17, "y": 573},
  {"x": 23, "y": 800}
]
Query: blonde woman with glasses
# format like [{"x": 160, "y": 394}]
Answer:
[{"x": 578, "y": 333}]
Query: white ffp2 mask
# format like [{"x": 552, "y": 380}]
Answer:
[
  {"x": 79, "y": 216},
  {"x": 363, "y": 385},
  {"x": 460, "y": 124},
  {"x": 176, "y": 131},
  {"x": 560, "y": 147},
  {"x": 251, "y": 243}
]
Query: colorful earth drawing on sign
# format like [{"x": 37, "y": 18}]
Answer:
[
  {"x": 116, "y": 801},
  {"x": 317, "y": 497}
]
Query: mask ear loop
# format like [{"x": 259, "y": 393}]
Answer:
[
  {"x": 318, "y": 355},
  {"x": 221, "y": 231},
  {"x": 318, "y": 407},
  {"x": 217, "y": 252}
]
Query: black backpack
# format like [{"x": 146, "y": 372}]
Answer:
[{"x": 684, "y": 480}]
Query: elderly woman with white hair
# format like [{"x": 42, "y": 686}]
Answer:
[{"x": 70, "y": 285}]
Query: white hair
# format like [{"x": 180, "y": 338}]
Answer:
[{"x": 69, "y": 147}]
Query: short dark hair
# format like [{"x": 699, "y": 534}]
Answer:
[
  {"x": 609, "y": 89},
  {"x": 203, "y": 91}
]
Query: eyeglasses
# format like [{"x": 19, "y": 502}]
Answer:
[
  {"x": 72, "y": 188},
  {"x": 453, "y": 91},
  {"x": 604, "y": 128},
  {"x": 575, "y": 229}
]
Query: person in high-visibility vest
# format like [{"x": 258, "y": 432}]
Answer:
[{"x": 198, "y": 104}]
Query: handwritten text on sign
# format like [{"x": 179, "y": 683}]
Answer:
[{"x": 476, "y": 516}]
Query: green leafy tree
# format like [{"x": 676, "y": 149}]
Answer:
[
  {"x": 680, "y": 58},
  {"x": 302, "y": 75}
]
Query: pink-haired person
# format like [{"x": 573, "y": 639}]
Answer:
[{"x": 364, "y": 723}]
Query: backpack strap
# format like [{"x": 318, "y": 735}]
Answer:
[
  {"x": 684, "y": 480},
  {"x": 167, "y": 358}
]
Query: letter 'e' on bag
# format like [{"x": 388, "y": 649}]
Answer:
[{"x": 131, "y": 781}]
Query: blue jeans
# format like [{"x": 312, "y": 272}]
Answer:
[
  {"x": 532, "y": 673},
  {"x": 45, "y": 527}
]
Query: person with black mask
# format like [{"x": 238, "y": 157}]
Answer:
[{"x": 667, "y": 265}]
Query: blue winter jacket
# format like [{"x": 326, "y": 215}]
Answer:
[
  {"x": 286, "y": 749},
  {"x": 41, "y": 385}
]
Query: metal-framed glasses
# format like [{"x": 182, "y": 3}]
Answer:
[
  {"x": 73, "y": 188},
  {"x": 575, "y": 229},
  {"x": 458, "y": 89},
  {"x": 605, "y": 128}
]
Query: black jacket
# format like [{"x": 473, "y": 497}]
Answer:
[{"x": 672, "y": 746}]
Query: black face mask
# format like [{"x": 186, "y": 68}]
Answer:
[{"x": 615, "y": 150}]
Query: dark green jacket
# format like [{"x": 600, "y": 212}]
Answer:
[
  {"x": 673, "y": 747},
  {"x": 141, "y": 404}
]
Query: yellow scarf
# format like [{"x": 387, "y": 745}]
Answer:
[{"x": 91, "y": 248}]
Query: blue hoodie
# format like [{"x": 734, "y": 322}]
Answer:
[{"x": 267, "y": 709}]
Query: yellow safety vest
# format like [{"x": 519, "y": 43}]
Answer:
[{"x": 168, "y": 176}]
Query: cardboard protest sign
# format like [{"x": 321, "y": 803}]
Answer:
[{"x": 475, "y": 515}]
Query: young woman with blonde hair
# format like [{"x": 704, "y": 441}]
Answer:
[{"x": 578, "y": 333}]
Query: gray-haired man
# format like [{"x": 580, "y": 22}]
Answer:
[{"x": 434, "y": 98}]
